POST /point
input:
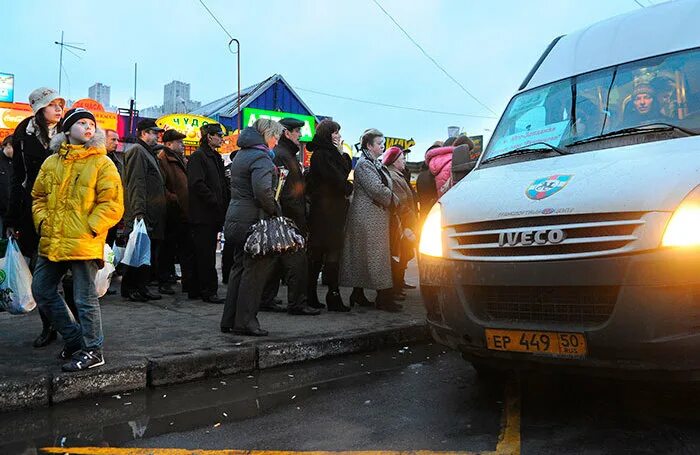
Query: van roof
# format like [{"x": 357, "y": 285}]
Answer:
[{"x": 657, "y": 30}]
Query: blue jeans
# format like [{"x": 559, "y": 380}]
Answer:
[{"x": 85, "y": 333}]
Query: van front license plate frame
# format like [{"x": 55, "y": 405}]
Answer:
[{"x": 567, "y": 344}]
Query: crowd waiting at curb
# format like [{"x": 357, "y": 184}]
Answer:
[{"x": 65, "y": 192}]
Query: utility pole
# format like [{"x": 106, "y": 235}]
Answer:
[
  {"x": 68, "y": 47},
  {"x": 238, "y": 59}
]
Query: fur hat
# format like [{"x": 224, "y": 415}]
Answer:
[{"x": 42, "y": 97}]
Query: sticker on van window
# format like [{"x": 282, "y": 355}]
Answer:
[{"x": 547, "y": 186}]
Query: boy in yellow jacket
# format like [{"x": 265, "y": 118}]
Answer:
[{"x": 77, "y": 197}]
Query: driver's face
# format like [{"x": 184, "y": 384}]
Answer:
[{"x": 643, "y": 103}]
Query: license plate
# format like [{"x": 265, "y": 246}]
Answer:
[{"x": 553, "y": 343}]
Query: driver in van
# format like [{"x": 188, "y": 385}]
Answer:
[{"x": 646, "y": 108}]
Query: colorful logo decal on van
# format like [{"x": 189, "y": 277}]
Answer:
[{"x": 547, "y": 186}]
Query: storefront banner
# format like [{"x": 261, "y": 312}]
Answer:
[
  {"x": 250, "y": 115},
  {"x": 187, "y": 124},
  {"x": 105, "y": 120},
  {"x": 11, "y": 114}
]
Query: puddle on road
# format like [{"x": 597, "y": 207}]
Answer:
[{"x": 114, "y": 420}]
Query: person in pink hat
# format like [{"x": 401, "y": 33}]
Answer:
[
  {"x": 404, "y": 220},
  {"x": 30, "y": 143}
]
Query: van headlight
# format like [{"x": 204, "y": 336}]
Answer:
[
  {"x": 684, "y": 227},
  {"x": 431, "y": 235}
]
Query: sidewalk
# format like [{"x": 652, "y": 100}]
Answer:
[{"x": 177, "y": 340}]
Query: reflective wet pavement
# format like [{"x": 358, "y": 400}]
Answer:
[{"x": 419, "y": 398}]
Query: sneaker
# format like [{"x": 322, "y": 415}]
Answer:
[{"x": 84, "y": 360}]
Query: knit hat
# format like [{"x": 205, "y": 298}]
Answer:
[
  {"x": 643, "y": 88},
  {"x": 391, "y": 155},
  {"x": 42, "y": 97},
  {"x": 172, "y": 135},
  {"x": 73, "y": 116}
]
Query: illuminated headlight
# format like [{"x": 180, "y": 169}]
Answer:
[
  {"x": 684, "y": 227},
  {"x": 431, "y": 235}
]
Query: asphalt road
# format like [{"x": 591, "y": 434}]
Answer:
[{"x": 412, "y": 399}]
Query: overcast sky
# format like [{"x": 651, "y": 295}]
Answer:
[{"x": 348, "y": 48}]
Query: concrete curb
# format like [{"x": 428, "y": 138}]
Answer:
[{"x": 137, "y": 374}]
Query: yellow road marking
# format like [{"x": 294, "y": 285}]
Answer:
[
  {"x": 135, "y": 451},
  {"x": 509, "y": 440}
]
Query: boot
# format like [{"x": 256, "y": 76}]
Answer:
[
  {"x": 335, "y": 302},
  {"x": 358, "y": 298},
  {"x": 314, "y": 302},
  {"x": 48, "y": 334},
  {"x": 385, "y": 301}
]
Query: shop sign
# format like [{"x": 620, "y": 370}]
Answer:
[
  {"x": 187, "y": 124},
  {"x": 105, "y": 120},
  {"x": 11, "y": 114},
  {"x": 250, "y": 115},
  {"x": 399, "y": 142},
  {"x": 7, "y": 87}
]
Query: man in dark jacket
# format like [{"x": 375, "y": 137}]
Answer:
[
  {"x": 111, "y": 144},
  {"x": 144, "y": 199},
  {"x": 5, "y": 176},
  {"x": 209, "y": 196},
  {"x": 293, "y": 202},
  {"x": 178, "y": 236}
]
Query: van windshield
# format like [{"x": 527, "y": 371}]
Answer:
[{"x": 658, "y": 90}]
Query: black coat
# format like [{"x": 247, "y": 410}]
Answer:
[
  {"x": 208, "y": 190},
  {"x": 144, "y": 190},
  {"x": 327, "y": 188},
  {"x": 29, "y": 155},
  {"x": 5, "y": 176},
  {"x": 427, "y": 193},
  {"x": 292, "y": 198},
  {"x": 253, "y": 183}
]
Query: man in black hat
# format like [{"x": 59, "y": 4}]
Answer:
[
  {"x": 144, "y": 199},
  {"x": 293, "y": 267},
  {"x": 208, "y": 201},
  {"x": 178, "y": 237}
]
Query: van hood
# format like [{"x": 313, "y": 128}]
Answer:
[{"x": 653, "y": 176}]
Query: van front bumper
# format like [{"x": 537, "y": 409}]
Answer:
[{"x": 653, "y": 325}]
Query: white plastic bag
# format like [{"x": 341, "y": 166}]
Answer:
[
  {"x": 104, "y": 275},
  {"x": 138, "y": 247},
  {"x": 16, "y": 282}
]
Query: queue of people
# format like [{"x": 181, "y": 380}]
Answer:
[{"x": 68, "y": 192}]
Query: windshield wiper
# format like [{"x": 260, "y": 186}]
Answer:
[
  {"x": 649, "y": 128},
  {"x": 525, "y": 149}
]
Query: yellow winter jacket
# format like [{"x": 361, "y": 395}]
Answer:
[{"x": 77, "y": 197}]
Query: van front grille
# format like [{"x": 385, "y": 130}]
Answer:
[
  {"x": 574, "y": 305},
  {"x": 583, "y": 235}
]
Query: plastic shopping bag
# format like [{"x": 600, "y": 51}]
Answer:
[
  {"x": 16, "y": 282},
  {"x": 118, "y": 253},
  {"x": 138, "y": 247},
  {"x": 104, "y": 275}
]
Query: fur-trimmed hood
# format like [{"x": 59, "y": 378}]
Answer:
[{"x": 98, "y": 141}]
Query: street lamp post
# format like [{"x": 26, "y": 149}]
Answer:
[{"x": 238, "y": 58}]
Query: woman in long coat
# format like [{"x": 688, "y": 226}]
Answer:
[
  {"x": 366, "y": 262},
  {"x": 327, "y": 189}
]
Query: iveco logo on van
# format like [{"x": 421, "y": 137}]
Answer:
[{"x": 530, "y": 238}]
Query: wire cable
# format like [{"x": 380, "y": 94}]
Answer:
[
  {"x": 637, "y": 2},
  {"x": 215, "y": 18},
  {"x": 433, "y": 60},
  {"x": 394, "y": 106}
]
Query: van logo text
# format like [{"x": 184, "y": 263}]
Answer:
[{"x": 530, "y": 238}]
